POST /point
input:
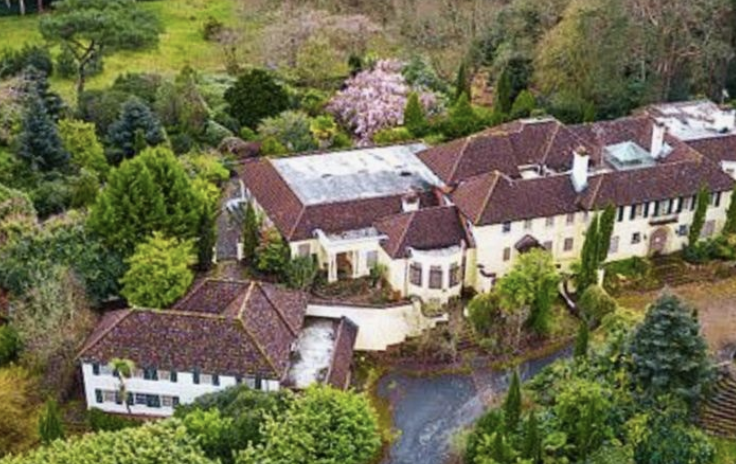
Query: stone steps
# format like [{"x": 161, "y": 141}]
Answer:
[{"x": 718, "y": 414}]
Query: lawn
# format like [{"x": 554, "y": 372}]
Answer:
[{"x": 181, "y": 43}]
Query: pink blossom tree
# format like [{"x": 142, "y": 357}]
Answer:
[{"x": 375, "y": 99}]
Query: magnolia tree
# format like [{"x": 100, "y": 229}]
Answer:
[{"x": 375, "y": 99}]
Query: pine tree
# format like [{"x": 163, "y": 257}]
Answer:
[
  {"x": 523, "y": 106},
  {"x": 41, "y": 147},
  {"x": 251, "y": 232},
  {"x": 414, "y": 118},
  {"x": 135, "y": 128},
  {"x": 702, "y": 200},
  {"x": 512, "y": 405},
  {"x": 532, "y": 446},
  {"x": 587, "y": 275},
  {"x": 581, "y": 342},
  {"x": 462, "y": 119},
  {"x": 50, "y": 426},
  {"x": 503, "y": 99},
  {"x": 605, "y": 232},
  {"x": 730, "y": 227},
  {"x": 462, "y": 82},
  {"x": 207, "y": 236}
]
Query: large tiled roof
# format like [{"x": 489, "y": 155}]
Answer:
[
  {"x": 296, "y": 221},
  {"x": 720, "y": 148},
  {"x": 221, "y": 327},
  {"x": 424, "y": 229}
]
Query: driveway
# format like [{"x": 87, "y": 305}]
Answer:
[{"x": 429, "y": 410}]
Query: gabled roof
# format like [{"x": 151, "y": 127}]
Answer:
[
  {"x": 338, "y": 374},
  {"x": 424, "y": 229},
  {"x": 220, "y": 327},
  {"x": 716, "y": 148}
]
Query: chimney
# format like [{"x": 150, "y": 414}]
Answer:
[
  {"x": 410, "y": 202},
  {"x": 580, "y": 163},
  {"x": 724, "y": 121},
  {"x": 658, "y": 131}
]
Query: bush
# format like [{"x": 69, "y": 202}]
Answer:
[
  {"x": 594, "y": 304},
  {"x": 273, "y": 253},
  {"x": 13, "y": 62},
  {"x": 100, "y": 421},
  {"x": 212, "y": 28},
  {"x": 483, "y": 310},
  {"x": 51, "y": 197},
  {"x": 142, "y": 85},
  {"x": 10, "y": 344},
  {"x": 66, "y": 65},
  {"x": 292, "y": 129},
  {"x": 256, "y": 95},
  {"x": 272, "y": 147},
  {"x": 301, "y": 272},
  {"x": 214, "y": 133},
  {"x": 101, "y": 107},
  {"x": 392, "y": 135}
]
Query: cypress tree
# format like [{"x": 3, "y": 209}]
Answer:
[
  {"x": 502, "y": 451},
  {"x": 41, "y": 147},
  {"x": 532, "y": 446},
  {"x": 414, "y": 118},
  {"x": 207, "y": 236},
  {"x": 503, "y": 99},
  {"x": 50, "y": 426},
  {"x": 702, "y": 200},
  {"x": 523, "y": 105},
  {"x": 589, "y": 258},
  {"x": 251, "y": 235},
  {"x": 605, "y": 232},
  {"x": 512, "y": 405},
  {"x": 135, "y": 128},
  {"x": 462, "y": 119},
  {"x": 462, "y": 82},
  {"x": 730, "y": 227},
  {"x": 581, "y": 341}
]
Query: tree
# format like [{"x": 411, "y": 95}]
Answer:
[
  {"x": 123, "y": 370},
  {"x": 180, "y": 105},
  {"x": 483, "y": 311},
  {"x": 90, "y": 29},
  {"x": 532, "y": 445},
  {"x": 50, "y": 425},
  {"x": 462, "y": 119},
  {"x": 594, "y": 304},
  {"x": 701, "y": 207},
  {"x": 583, "y": 409},
  {"x": 80, "y": 141},
  {"x": 605, "y": 232},
  {"x": 301, "y": 272},
  {"x": 273, "y": 253},
  {"x": 589, "y": 258},
  {"x": 163, "y": 442},
  {"x": 322, "y": 426},
  {"x": 40, "y": 146},
  {"x": 18, "y": 414},
  {"x": 148, "y": 193},
  {"x": 10, "y": 344},
  {"x": 256, "y": 95},
  {"x": 729, "y": 228},
  {"x": 414, "y": 118},
  {"x": 207, "y": 240},
  {"x": 532, "y": 283},
  {"x": 291, "y": 129},
  {"x": 503, "y": 99},
  {"x": 668, "y": 354},
  {"x": 581, "y": 341},
  {"x": 159, "y": 272},
  {"x": 462, "y": 82},
  {"x": 135, "y": 128},
  {"x": 251, "y": 232},
  {"x": 524, "y": 105},
  {"x": 512, "y": 404},
  {"x": 670, "y": 439}
]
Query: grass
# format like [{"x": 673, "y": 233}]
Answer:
[
  {"x": 725, "y": 451},
  {"x": 181, "y": 43}
]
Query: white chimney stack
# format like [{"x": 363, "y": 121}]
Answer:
[
  {"x": 410, "y": 202},
  {"x": 658, "y": 131},
  {"x": 580, "y": 164}
]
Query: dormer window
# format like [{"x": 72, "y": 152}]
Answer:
[{"x": 506, "y": 227}]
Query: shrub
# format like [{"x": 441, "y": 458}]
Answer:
[
  {"x": 291, "y": 129},
  {"x": 214, "y": 133},
  {"x": 142, "y": 85},
  {"x": 212, "y": 28},
  {"x": 101, "y": 107},
  {"x": 483, "y": 310},
  {"x": 301, "y": 272},
  {"x": 10, "y": 344},
  {"x": 51, "y": 197},
  {"x": 273, "y": 253},
  {"x": 100, "y": 421},
  {"x": 66, "y": 66},
  {"x": 13, "y": 62},
  {"x": 595, "y": 303},
  {"x": 256, "y": 95},
  {"x": 135, "y": 128},
  {"x": 392, "y": 135},
  {"x": 272, "y": 147}
]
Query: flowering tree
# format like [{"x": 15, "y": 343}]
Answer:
[{"x": 375, "y": 99}]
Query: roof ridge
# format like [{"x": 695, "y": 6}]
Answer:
[
  {"x": 459, "y": 158},
  {"x": 258, "y": 346},
  {"x": 484, "y": 205},
  {"x": 87, "y": 346},
  {"x": 190, "y": 293},
  {"x": 550, "y": 142},
  {"x": 278, "y": 310},
  {"x": 402, "y": 238},
  {"x": 245, "y": 300}
]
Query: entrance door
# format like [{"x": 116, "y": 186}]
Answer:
[
  {"x": 658, "y": 241},
  {"x": 344, "y": 266}
]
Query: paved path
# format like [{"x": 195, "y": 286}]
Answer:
[
  {"x": 428, "y": 411},
  {"x": 228, "y": 224}
]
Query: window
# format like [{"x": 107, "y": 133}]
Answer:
[
  {"x": 153, "y": 401},
  {"x": 454, "y": 274},
  {"x": 141, "y": 398},
  {"x": 646, "y": 210},
  {"x": 506, "y": 254},
  {"x": 680, "y": 204},
  {"x": 435, "y": 277},
  {"x": 655, "y": 213},
  {"x": 258, "y": 383},
  {"x": 371, "y": 259},
  {"x": 635, "y": 238},
  {"x": 96, "y": 368},
  {"x": 98, "y": 395},
  {"x": 415, "y": 274},
  {"x": 150, "y": 374},
  {"x": 682, "y": 230},
  {"x": 164, "y": 375},
  {"x": 506, "y": 227},
  {"x": 571, "y": 218},
  {"x": 528, "y": 224},
  {"x": 670, "y": 206},
  {"x": 709, "y": 228},
  {"x": 304, "y": 250},
  {"x": 205, "y": 379},
  {"x": 129, "y": 398},
  {"x": 621, "y": 210},
  {"x": 633, "y": 212},
  {"x": 195, "y": 377},
  {"x": 613, "y": 248},
  {"x": 568, "y": 244},
  {"x": 550, "y": 222},
  {"x": 717, "y": 201},
  {"x": 693, "y": 202},
  {"x": 173, "y": 377},
  {"x": 216, "y": 380},
  {"x": 548, "y": 245},
  {"x": 168, "y": 401}
]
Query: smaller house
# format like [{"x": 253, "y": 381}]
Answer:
[{"x": 221, "y": 334}]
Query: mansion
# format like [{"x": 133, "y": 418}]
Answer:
[{"x": 458, "y": 214}]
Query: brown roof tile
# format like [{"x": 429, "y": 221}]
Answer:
[
  {"x": 722, "y": 148},
  {"x": 339, "y": 373}
]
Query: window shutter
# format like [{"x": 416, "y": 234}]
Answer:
[
  {"x": 174, "y": 378},
  {"x": 98, "y": 395},
  {"x": 195, "y": 376},
  {"x": 96, "y": 368},
  {"x": 215, "y": 379}
]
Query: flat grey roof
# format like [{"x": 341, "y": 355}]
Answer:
[
  {"x": 695, "y": 120},
  {"x": 356, "y": 174}
]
